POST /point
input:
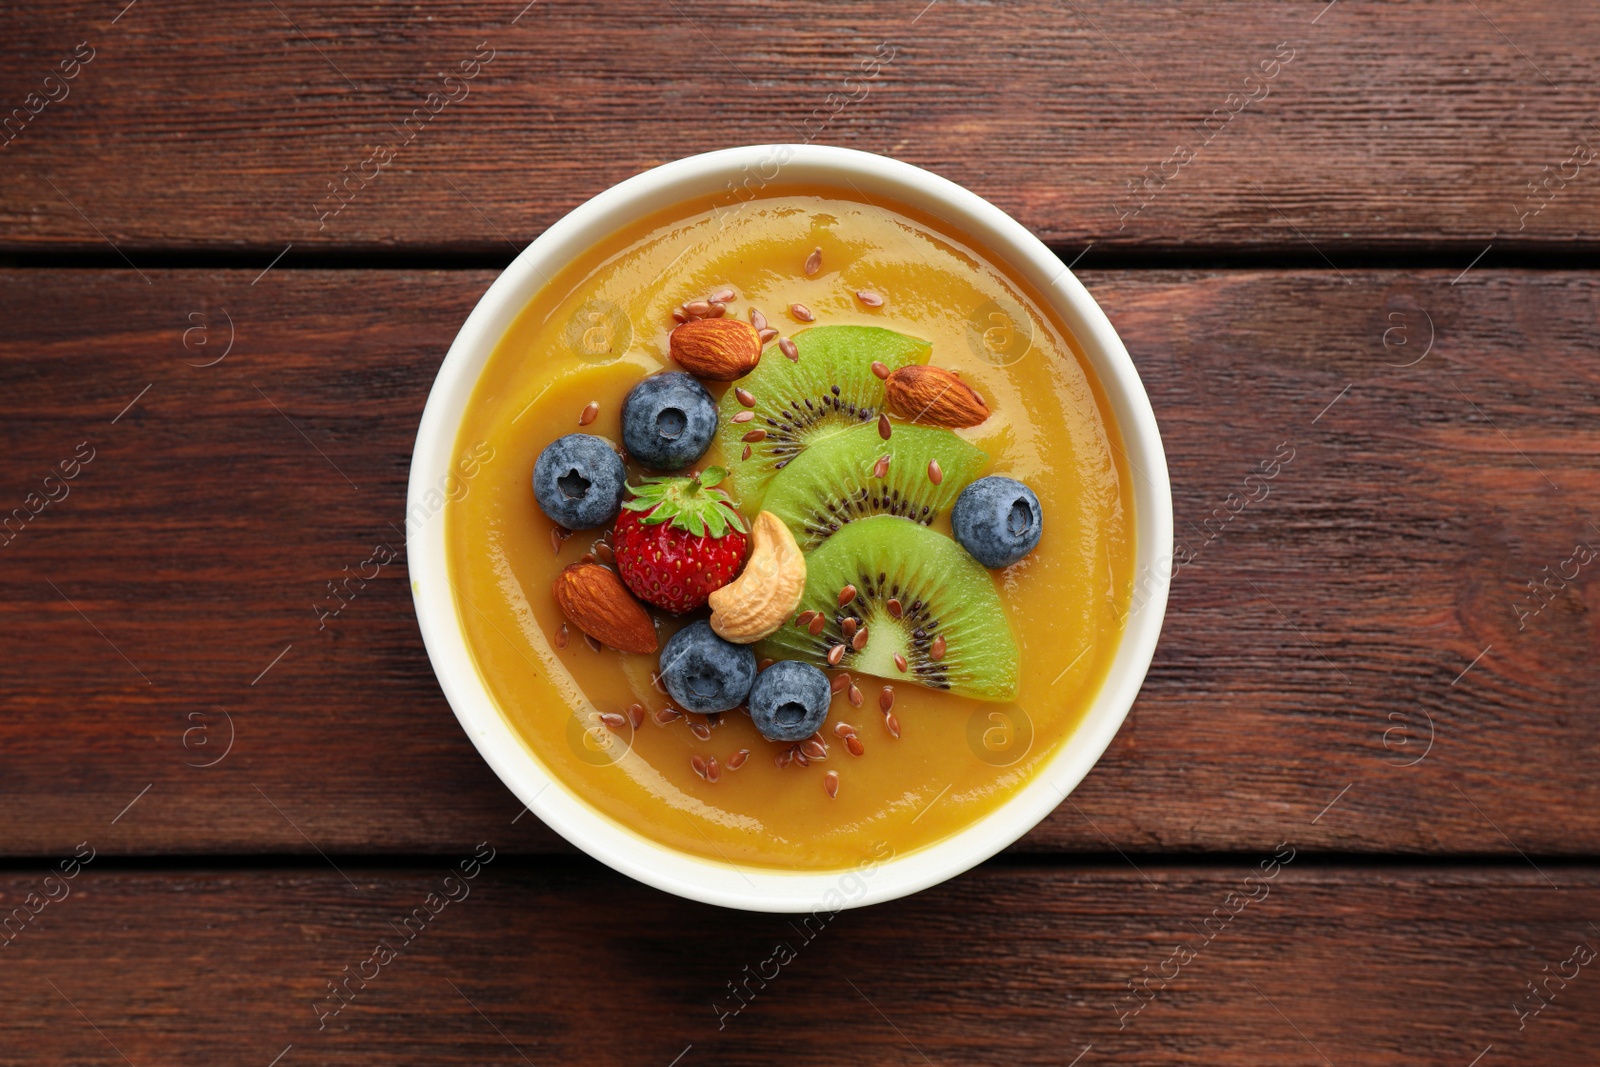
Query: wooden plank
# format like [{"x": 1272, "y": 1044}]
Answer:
[
  {"x": 1317, "y": 641},
  {"x": 1360, "y": 126},
  {"x": 1005, "y": 965}
]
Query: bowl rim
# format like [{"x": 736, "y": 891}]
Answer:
[{"x": 762, "y": 889}]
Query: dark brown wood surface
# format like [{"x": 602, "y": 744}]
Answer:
[
  {"x": 1352, "y": 639},
  {"x": 1374, "y": 256},
  {"x": 1372, "y": 125},
  {"x": 559, "y": 962}
]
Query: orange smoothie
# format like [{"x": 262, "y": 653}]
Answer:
[{"x": 603, "y": 324}]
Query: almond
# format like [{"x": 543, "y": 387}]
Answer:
[
  {"x": 594, "y": 600},
  {"x": 719, "y": 350},
  {"x": 933, "y": 396}
]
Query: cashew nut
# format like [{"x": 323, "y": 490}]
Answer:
[{"x": 767, "y": 591}]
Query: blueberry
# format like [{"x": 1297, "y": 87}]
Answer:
[
  {"x": 998, "y": 520},
  {"x": 668, "y": 421},
  {"x": 789, "y": 701},
  {"x": 704, "y": 673},
  {"x": 578, "y": 480}
]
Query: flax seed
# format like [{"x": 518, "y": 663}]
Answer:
[
  {"x": 636, "y": 715},
  {"x": 935, "y": 472},
  {"x": 899, "y": 663},
  {"x": 801, "y": 313},
  {"x": 840, "y": 682},
  {"x": 848, "y": 628},
  {"x": 843, "y": 729},
  {"x": 936, "y": 649},
  {"x": 814, "y": 627},
  {"x": 787, "y": 347},
  {"x": 655, "y": 680},
  {"x": 892, "y": 724},
  {"x": 723, "y": 296},
  {"x": 736, "y": 760},
  {"x": 784, "y": 758},
  {"x": 718, "y": 309},
  {"x": 666, "y": 715},
  {"x": 758, "y": 320},
  {"x": 855, "y": 697},
  {"x": 757, "y": 434},
  {"x": 558, "y": 537},
  {"x": 743, "y": 416},
  {"x": 880, "y": 369},
  {"x": 603, "y": 553},
  {"x": 700, "y": 730},
  {"x": 744, "y": 397},
  {"x": 699, "y": 764},
  {"x": 592, "y": 643},
  {"x": 830, "y": 782},
  {"x": 886, "y": 698},
  {"x": 814, "y": 750},
  {"x": 853, "y": 745},
  {"x": 764, "y": 664},
  {"x": 590, "y": 412},
  {"x": 804, "y": 619},
  {"x": 813, "y": 263},
  {"x": 800, "y": 757},
  {"x": 587, "y": 557},
  {"x": 869, "y": 298},
  {"x": 884, "y": 429},
  {"x": 835, "y": 654},
  {"x": 880, "y": 469},
  {"x": 713, "y": 772},
  {"x": 561, "y": 636},
  {"x": 746, "y": 453},
  {"x": 679, "y": 315},
  {"x": 767, "y": 333},
  {"x": 697, "y": 309},
  {"x": 895, "y": 609},
  {"x": 612, "y": 720},
  {"x": 859, "y": 641},
  {"x": 847, "y": 594}
]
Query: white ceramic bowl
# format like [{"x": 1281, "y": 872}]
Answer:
[{"x": 756, "y": 889}]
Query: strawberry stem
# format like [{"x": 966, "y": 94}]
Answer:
[{"x": 688, "y": 503}]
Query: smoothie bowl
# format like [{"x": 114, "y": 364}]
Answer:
[{"x": 788, "y": 528}]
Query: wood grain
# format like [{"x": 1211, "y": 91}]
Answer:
[
  {"x": 1318, "y": 640},
  {"x": 1003, "y": 966},
  {"x": 1382, "y": 126}
]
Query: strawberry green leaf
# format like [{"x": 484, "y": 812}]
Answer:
[{"x": 688, "y": 503}]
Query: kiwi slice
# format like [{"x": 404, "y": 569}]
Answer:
[
  {"x": 832, "y": 482},
  {"x": 830, "y": 388},
  {"x": 939, "y": 591}
]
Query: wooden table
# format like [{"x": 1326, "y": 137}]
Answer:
[{"x": 1362, "y": 230}]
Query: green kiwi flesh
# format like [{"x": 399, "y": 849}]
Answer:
[
  {"x": 830, "y": 388},
  {"x": 942, "y": 592},
  {"x": 831, "y": 482}
]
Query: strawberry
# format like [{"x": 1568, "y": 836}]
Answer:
[{"x": 679, "y": 539}]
